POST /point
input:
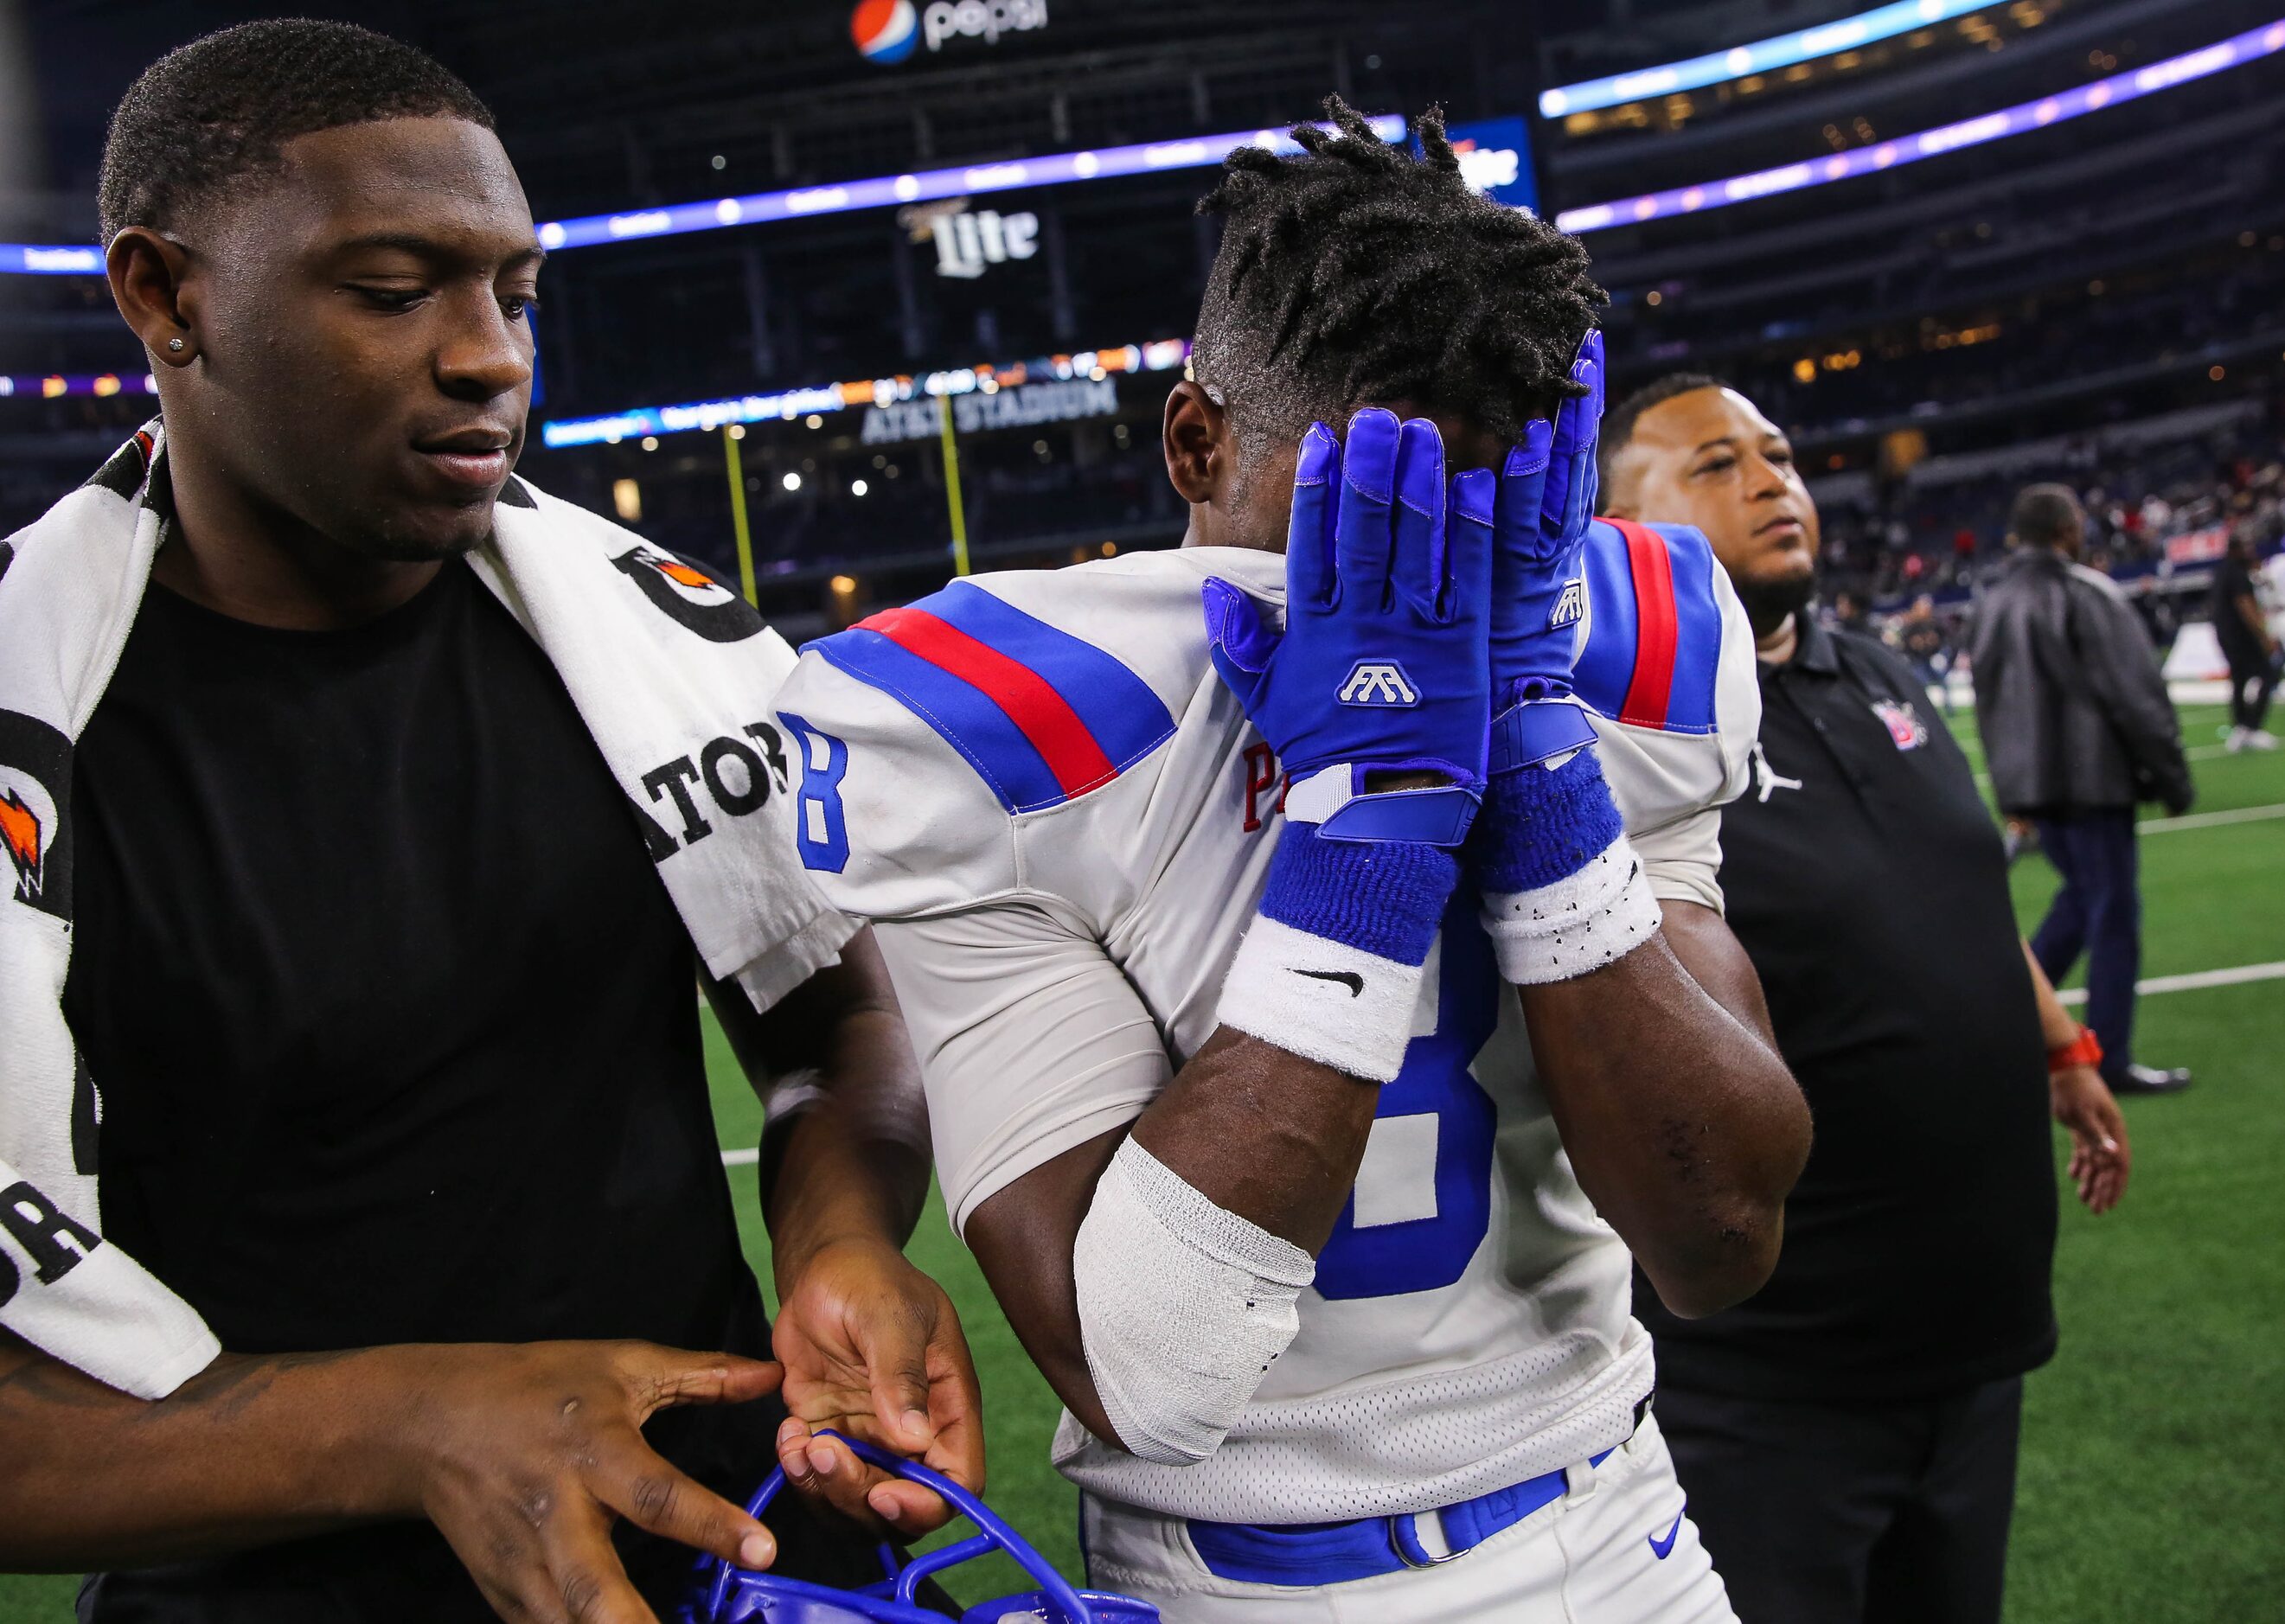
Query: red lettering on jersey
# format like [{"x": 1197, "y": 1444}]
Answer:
[{"x": 1261, "y": 775}]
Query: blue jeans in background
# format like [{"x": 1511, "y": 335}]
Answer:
[{"x": 2099, "y": 911}]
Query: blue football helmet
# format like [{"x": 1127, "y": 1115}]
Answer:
[{"x": 726, "y": 1595}]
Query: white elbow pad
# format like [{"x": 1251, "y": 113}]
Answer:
[{"x": 1182, "y": 1306}]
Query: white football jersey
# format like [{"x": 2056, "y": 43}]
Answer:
[{"x": 1060, "y": 821}]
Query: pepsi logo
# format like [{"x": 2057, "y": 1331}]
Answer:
[
  {"x": 885, "y": 30},
  {"x": 888, "y": 31}
]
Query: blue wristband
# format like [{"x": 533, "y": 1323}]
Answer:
[
  {"x": 1385, "y": 898},
  {"x": 1332, "y": 966},
  {"x": 1563, "y": 892},
  {"x": 1540, "y": 826}
]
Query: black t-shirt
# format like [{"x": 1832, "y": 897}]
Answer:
[
  {"x": 1867, "y": 882},
  {"x": 396, "y": 1036},
  {"x": 2232, "y": 583}
]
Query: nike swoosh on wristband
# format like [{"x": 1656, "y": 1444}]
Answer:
[
  {"x": 1350, "y": 980},
  {"x": 1664, "y": 1548}
]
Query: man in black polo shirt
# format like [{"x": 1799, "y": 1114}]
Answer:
[
  {"x": 393, "y": 1016},
  {"x": 1848, "y": 1435}
]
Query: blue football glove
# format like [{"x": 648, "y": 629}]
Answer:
[
  {"x": 1546, "y": 502},
  {"x": 1563, "y": 894},
  {"x": 1382, "y": 665}
]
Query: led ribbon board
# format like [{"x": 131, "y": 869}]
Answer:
[
  {"x": 31, "y": 259},
  {"x": 804, "y": 202},
  {"x": 1089, "y": 367},
  {"x": 1779, "y": 51},
  {"x": 887, "y": 191},
  {"x": 2021, "y": 119},
  {"x": 56, "y": 386}
]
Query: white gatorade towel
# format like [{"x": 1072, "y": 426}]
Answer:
[{"x": 673, "y": 675}]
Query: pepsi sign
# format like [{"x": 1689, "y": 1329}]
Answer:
[{"x": 887, "y": 31}]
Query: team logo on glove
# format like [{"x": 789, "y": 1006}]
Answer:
[
  {"x": 1570, "y": 606},
  {"x": 1379, "y": 682}
]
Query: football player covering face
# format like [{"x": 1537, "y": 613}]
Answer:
[
  {"x": 1241, "y": 1201},
  {"x": 345, "y": 362}
]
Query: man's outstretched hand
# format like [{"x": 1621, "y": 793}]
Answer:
[
  {"x": 2100, "y": 1159},
  {"x": 523, "y": 1456},
  {"x": 872, "y": 1347}
]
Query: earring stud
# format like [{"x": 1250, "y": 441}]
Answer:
[{"x": 175, "y": 344}]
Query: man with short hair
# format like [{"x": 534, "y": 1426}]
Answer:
[
  {"x": 1848, "y": 1433},
  {"x": 371, "y": 815},
  {"x": 1318, "y": 1225},
  {"x": 2079, "y": 729}
]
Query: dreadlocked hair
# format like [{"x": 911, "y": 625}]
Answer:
[{"x": 1356, "y": 272}]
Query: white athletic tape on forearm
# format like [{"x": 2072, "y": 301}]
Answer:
[
  {"x": 1581, "y": 924},
  {"x": 1323, "y": 1000},
  {"x": 1183, "y": 1306}
]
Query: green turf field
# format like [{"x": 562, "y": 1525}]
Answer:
[{"x": 2152, "y": 1486}]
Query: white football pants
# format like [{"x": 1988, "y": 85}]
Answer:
[{"x": 1593, "y": 1557}]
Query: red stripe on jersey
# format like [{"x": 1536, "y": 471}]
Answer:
[
  {"x": 1657, "y": 627},
  {"x": 1043, "y": 715}
]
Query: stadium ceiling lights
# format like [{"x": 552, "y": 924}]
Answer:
[
  {"x": 2021, "y": 119},
  {"x": 786, "y": 405},
  {"x": 845, "y": 197},
  {"x": 53, "y": 386},
  {"x": 805, "y": 202},
  {"x": 1779, "y": 51}
]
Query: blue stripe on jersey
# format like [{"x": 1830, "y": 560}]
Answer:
[
  {"x": 964, "y": 716},
  {"x": 1606, "y": 666},
  {"x": 1698, "y": 632},
  {"x": 1125, "y": 713},
  {"x": 1122, "y": 713}
]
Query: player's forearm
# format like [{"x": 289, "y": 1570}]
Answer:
[
  {"x": 1201, "y": 1232},
  {"x": 1687, "y": 1133},
  {"x": 1268, "y": 1135},
  {"x": 1264, "y": 1133},
  {"x": 846, "y": 1151},
  {"x": 1271, "y": 1138},
  {"x": 828, "y": 1180},
  {"x": 249, "y": 1451}
]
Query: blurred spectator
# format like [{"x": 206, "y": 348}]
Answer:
[
  {"x": 2232, "y": 477},
  {"x": 2078, "y": 727},
  {"x": 2249, "y": 646},
  {"x": 1921, "y": 641}
]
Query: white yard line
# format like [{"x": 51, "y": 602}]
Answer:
[
  {"x": 741, "y": 1158},
  {"x": 2193, "y": 981},
  {"x": 2196, "y": 752},
  {"x": 2209, "y": 820}
]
